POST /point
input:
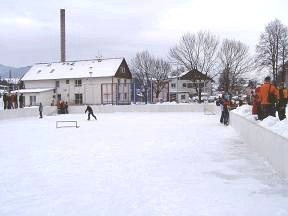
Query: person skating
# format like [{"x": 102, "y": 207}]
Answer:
[
  {"x": 226, "y": 106},
  {"x": 90, "y": 112}
]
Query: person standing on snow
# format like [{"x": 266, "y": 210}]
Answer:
[
  {"x": 40, "y": 110},
  {"x": 90, "y": 112},
  {"x": 268, "y": 106},
  {"x": 281, "y": 105}
]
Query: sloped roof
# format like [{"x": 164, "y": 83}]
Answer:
[
  {"x": 193, "y": 75},
  {"x": 74, "y": 69}
]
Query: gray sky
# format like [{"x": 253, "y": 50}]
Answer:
[{"x": 30, "y": 29}]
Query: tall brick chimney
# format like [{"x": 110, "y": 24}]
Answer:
[{"x": 62, "y": 36}]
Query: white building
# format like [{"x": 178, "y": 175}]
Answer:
[
  {"x": 96, "y": 81},
  {"x": 183, "y": 87}
]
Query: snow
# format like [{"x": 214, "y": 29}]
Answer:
[
  {"x": 133, "y": 164},
  {"x": 36, "y": 90},
  {"x": 73, "y": 69},
  {"x": 271, "y": 123}
]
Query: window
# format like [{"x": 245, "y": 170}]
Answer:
[
  {"x": 58, "y": 97},
  {"x": 78, "y": 99},
  {"x": 122, "y": 69},
  {"x": 67, "y": 81},
  {"x": 182, "y": 97},
  {"x": 78, "y": 82},
  {"x": 184, "y": 85},
  {"x": 32, "y": 100},
  {"x": 190, "y": 85},
  {"x": 57, "y": 84},
  {"x": 125, "y": 96},
  {"x": 173, "y": 85},
  {"x": 119, "y": 81},
  {"x": 125, "y": 82}
]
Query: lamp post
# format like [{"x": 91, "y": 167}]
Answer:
[
  {"x": 151, "y": 87},
  {"x": 90, "y": 86},
  {"x": 177, "y": 88}
]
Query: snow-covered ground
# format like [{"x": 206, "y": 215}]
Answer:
[{"x": 133, "y": 164}]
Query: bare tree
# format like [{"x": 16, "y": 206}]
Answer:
[
  {"x": 196, "y": 51},
  {"x": 272, "y": 48},
  {"x": 160, "y": 72},
  {"x": 150, "y": 73},
  {"x": 234, "y": 63},
  {"x": 283, "y": 53},
  {"x": 141, "y": 67}
]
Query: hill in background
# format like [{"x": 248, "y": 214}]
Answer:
[{"x": 15, "y": 72}]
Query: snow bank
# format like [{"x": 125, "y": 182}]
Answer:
[
  {"x": 271, "y": 123},
  {"x": 26, "y": 112},
  {"x": 48, "y": 110},
  {"x": 269, "y": 138}
]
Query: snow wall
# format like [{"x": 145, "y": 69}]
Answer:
[
  {"x": 26, "y": 112},
  {"x": 148, "y": 108},
  {"x": 268, "y": 144},
  {"x": 52, "y": 110}
]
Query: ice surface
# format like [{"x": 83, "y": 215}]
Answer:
[{"x": 133, "y": 164}]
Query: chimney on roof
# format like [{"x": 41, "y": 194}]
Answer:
[{"x": 62, "y": 34}]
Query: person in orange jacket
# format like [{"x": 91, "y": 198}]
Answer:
[
  {"x": 268, "y": 107},
  {"x": 256, "y": 104}
]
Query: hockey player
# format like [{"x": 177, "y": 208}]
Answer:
[{"x": 90, "y": 112}]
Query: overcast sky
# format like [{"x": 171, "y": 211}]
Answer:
[{"x": 30, "y": 29}]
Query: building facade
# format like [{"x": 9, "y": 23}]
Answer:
[
  {"x": 96, "y": 81},
  {"x": 184, "y": 87}
]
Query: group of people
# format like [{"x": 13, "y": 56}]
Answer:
[
  {"x": 65, "y": 108},
  {"x": 62, "y": 107},
  {"x": 10, "y": 101},
  {"x": 268, "y": 99}
]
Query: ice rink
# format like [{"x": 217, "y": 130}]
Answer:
[{"x": 124, "y": 164}]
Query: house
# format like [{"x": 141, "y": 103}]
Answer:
[
  {"x": 184, "y": 86},
  {"x": 95, "y": 81}
]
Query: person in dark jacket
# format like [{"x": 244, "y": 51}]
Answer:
[
  {"x": 21, "y": 100},
  {"x": 90, "y": 112},
  {"x": 40, "y": 110},
  {"x": 66, "y": 107},
  {"x": 5, "y": 100},
  {"x": 281, "y": 105}
]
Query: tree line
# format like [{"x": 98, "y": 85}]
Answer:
[{"x": 227, "y": 61}]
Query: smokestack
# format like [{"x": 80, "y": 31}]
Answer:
[{"x": 62, "y": 32}]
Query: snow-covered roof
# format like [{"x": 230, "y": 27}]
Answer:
[
  {"x": 193, "y": 74},
  {"x": 74, "y": 69},
  {"x": 179, "y": 75},
  {"x": 36, "y": 90}
]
